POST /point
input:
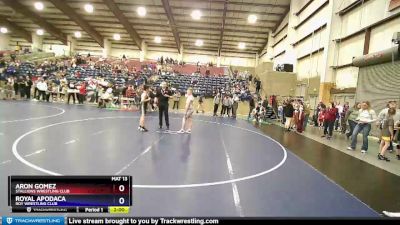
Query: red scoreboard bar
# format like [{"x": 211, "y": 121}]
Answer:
[{"x": 96, "y": 194}]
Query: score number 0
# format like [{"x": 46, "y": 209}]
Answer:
[{"x": 121, "y": 200}]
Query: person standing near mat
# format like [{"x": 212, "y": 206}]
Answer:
[
  {"x": 144, "y": 99},
  {"x": 177, "y": 96},
  {"x": 189, "y": 109},
  {"x": 387, "y": 133},
  {"x": 383, "y": 115},
  {"x": 235, "y": 105},
  {"x": 366, "y": 117},
  {"x": 200, "y": 105},
  {"x": 163, "y": 95},
  {"x": 216, "y": 101},
  {"x": 252, "y": 105}
]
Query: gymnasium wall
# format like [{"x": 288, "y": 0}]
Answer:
[
  {"x": 303, "y": 39},
  {"x": 156, "y": 53},
  {"x": 263, "y": 67},
  {"x": 118, "y": 51},
  {"x": 14, "y": 40},
  {"x": 357, "y": 20},
  {"x": 244, "y": 61},
  {"x": 278, "y": 83},
  {"x": 85, "y": 46},
  {"x": 153, "y": 53},
  {"x": 57, "y": 49}
]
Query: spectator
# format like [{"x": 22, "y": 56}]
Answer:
[
  {"x": 387, "y": 133},
  {"x": 71, "y": 92},
  {"x": 300, "y": 118},
  {"x": 264, "y": 103},
  {"x": 42, "y": 88},
  {"x": 317, "y": 113},
  {"x": 35, "y": 89},
  {"x": 200, "y": 104},
  {"x": 216, "y": 101},
  {"x": 105, "y": 98},
  {"x": 225, "y": 105},
  {"x": 252, "y": 106},
  {"x": 176, "y": 98},
  {"x": 321, "y": 116},
  {"x": 21, "y": 86},
  {"x": 338, "y": 115},
  {"x": 329, "y": 120},
  {"x": 16, "y": 85},
  {"x": 280, "y": 113},
  {"x": 62, "y": 91},
  {"x": 8, "y": 91},
  {"x": 235, "y": 105},
  {"x": 343, "y": 123},
  {"x": 257, "y": 112},
  {"x": 82, "y": 93},
  {"x": 383, "y": 114},
  {"x": 351, "y": 116},
  {"x": 130, "y": 92},
  {"x": 258, "y": 86},
  {"x": 53, "y": 91},
  {"x": 48, "y": 91},
  {"x": 288, "y": 110},
  {"x": 28, "y": 87},
  {"x": 307, "y": 113},
  {"x": 364, "y": 119}
]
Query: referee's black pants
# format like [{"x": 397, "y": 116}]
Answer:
[{"x": 163, "y": 109}]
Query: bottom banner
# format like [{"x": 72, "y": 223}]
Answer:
[{"x": 138, "y": 221}]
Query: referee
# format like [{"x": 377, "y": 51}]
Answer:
[{"x": 163, "y": 95}]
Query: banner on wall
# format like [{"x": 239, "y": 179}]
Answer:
[{"x": 394, "y": 4}]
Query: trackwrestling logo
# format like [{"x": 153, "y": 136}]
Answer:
[{"x": 33, "y": 220}]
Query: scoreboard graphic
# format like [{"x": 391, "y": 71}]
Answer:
[{"x": 72, "y": 194}]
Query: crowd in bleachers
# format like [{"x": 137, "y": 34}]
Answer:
[
  {"x": 106, "y": 82},
  {"x": 174, "y": 66}
]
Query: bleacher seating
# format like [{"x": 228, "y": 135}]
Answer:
[
  {"x": 190, "y": 69},
  {"x": 86, "y": 73},
  {"x": 270, "y": 113},
  {"x": 202, "y": 85},
  {"x": 27, "y": 69}
]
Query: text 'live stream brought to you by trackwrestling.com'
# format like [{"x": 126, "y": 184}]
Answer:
[
  {"x": 59, "y": 220},
  {"x": 138, "y": 221}
]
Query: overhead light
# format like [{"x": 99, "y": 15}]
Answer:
[
  {"x": 78, "y": 34},
  {"x": 141, "y": 11},
  {"x": 3, "y": 30},
  {"x": 242, "y": 45},
  {"x": 39, "y": 6},
  {"x": 196, "y": 14},
  {"x": 117, "y": 37},
  {"x": 252, "y": 18},
  {"x": 89, "y": 8},
  {"x": 39, "y": 32},
  {"x": 199, "y": 43},
  {"x": 157, "y": 39}
]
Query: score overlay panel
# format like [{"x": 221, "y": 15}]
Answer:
[{"x": 96, "y": 194}]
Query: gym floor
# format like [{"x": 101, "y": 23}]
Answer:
[{"x": 225, "y": 168}]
